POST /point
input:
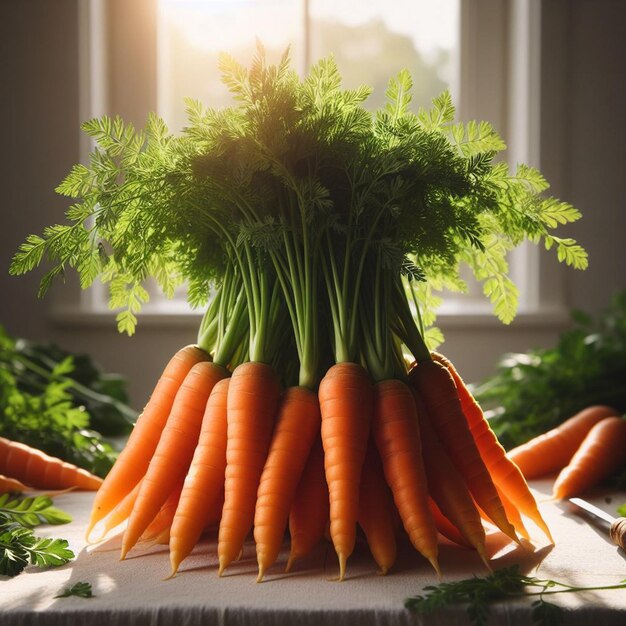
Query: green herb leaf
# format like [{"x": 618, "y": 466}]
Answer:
[
  {"x": 31, "y": 511},
  {"x": 80, "y": 589}
]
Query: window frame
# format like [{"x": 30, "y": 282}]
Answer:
[{"x": 499, "y": 79}]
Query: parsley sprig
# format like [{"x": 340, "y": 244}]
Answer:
[
  {"x": 501, "y": 585},
  {"x": 19, "y": 546},
  {"x": 79, "y": 589}
]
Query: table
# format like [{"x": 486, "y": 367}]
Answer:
[{"x": 134, "y": 592}]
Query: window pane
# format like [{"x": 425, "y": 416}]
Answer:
[
  {"x": 192, "y": 33},
  {"x": 372, "y": 40}
]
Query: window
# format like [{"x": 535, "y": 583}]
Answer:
[{"x": 150, "y": 54}]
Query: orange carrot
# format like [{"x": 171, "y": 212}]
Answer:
[
  {"x": 505, "y": 474},
  {"x": 376, "y": 511},
  {"x": 437, "y": 389},
  {"x": 602, "y": 452},
  {"x": 134, "y": 459},
  {"x": 159, "y": 527},
  {"x": 309, "y": 513},
  {"x": 513, "y": 514},
  {"x": 345, "y": 395},
  {"x": 41, "y": 471},
  {"x": 8, "y": 484},
  {"x": 552, "y": 451},
  {"x": 445, "y": 527},
  {"x": 448, "y": 488},
  {"x": 253, "y": 397},
  {"x": 297, "y": 424},
  {"x": 201, "y": 498},
  {"x": 174, "y": 451},
  {"x": 398, "y": 440},
  {"x": 120, "y": 513}
]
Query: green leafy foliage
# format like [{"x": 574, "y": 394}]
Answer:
[
  {"x": 44, "y": 396},
  {"x": 621, "y": 510},
  {"x": 300, "y": 161},
  {"x": 505, "y": 584},
  {"x": 533, "y": 392},
  {"x": 31, "y": 511},
  {"x": 79, "y": 589}
]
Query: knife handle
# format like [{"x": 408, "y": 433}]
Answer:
[{"x": 618, "y": 532}]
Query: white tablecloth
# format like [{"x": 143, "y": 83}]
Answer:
[{"x": 134, "y": 592}]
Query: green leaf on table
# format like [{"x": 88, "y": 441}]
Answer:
[
  {"x": 50, "y": 552},
  {"x": 31, "y": 511},
  {"x": 80, "y": 589}
]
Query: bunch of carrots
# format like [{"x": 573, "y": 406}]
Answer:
[
  {"x": 316, "y": 234},
  {"x": 584, "y": 450}
]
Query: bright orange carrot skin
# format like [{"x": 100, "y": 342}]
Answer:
[
  {"x": 397, "y": 436},
  {"x": 175, "y": 449},
  {"x": 552, "y": 451},
  {"x": 162, "y": 522},
  {"x": 309, "y": 515},
  {"x": 445, "y": 527},
  {"x": 8, "y": 484},
  {"x": 602, "y": 452},
  {"x": 253, "y": 396},
  {"x": 505, "y": 474},
  {"x": 297, "y": 424},
  {"x": 447, "y": 487},
  {"x": 346, "y": 401},
  {"x": 41, "y": 471},
  {"x": 121, "y": 512},
  {"x": 437, "y": 389},
  {"x": 133, "y": 461},
  {"x": 202, "y": 495},
  {"x": 376, "y": 511}
]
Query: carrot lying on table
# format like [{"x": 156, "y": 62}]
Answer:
[
  {"x": 253, "y": 396},
  {"x": 42, "y": 471},
  {"x": 601, "y": 453},
  {"x": 8, "y": 484},
  {"x": 133, "y": 461},
  {"x": 297, "y": 424},
  {"x": 345, "y": 395},
  {"x": 552, "y": 450}
]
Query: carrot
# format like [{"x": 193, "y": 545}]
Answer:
[
  {"x": 252, "y": 401},
  {"x": 445, "y": 527},
  {"x": 552, "y": 451},
  {"x": 133, "y": 461},
  {"x": 41, "y": 471},
  {"x": 602, "y": 452},
  {"x": 437, "y": 389},
  {"x": 120, "y": 513},
  {"x": 398, "y": 440},
  {"x": 174, "y": 451},
  {"x": 159, "y": 527},
  {"x": 448, "y": 488},
  {"x": 345, "y": 395},
  {"x": 297, "y": 424},
  {"x": 513, "y": 514},
  {"x": 505, "y": 474},
  {"x": 376, "y": 511},
  {"x": 8, "y": 484},
  {"x": 201, "y": 498},
  {"x": 309, "y": 513}
]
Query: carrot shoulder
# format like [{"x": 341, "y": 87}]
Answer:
[
  {"x": 42, "y": 471},
  {"x": 253, "y": 395},
  {"x": 346, "y": 402},
  {"x": 297, "y": 424},
  {"x": 397, "y": 436},
  {"x": 175, "y": 448},
  {"x": 601, "y": 453},
  {"x": 134, "y": 459},
  {"x": 552, "y": 450}
]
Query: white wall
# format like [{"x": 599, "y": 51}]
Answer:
[{"x": 583, "y": 154}]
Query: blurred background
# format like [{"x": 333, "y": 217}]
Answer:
[{"x": 550, "y": 75}]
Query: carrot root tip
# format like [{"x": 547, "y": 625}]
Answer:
[
  {"x": 259, "y": 578},
  {"x": 290, "y": 561},
  {"x": 433, "y": 561},
  {"x": 342, "y": 566},
  {"x": 223, "y": 564}
]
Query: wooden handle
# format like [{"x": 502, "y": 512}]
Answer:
[{"x": 618, "y": 532}]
